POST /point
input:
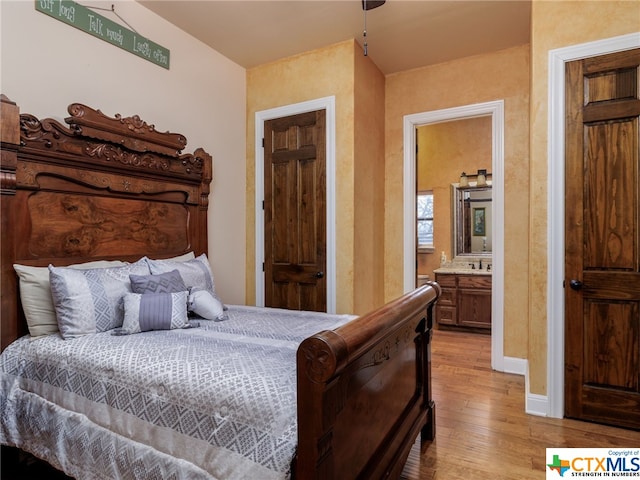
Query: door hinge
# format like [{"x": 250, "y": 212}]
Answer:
[
  {"x": 262, "y": 204},
  {"x": 263, "y": 142},
  {"x": 263, "y": 266}
]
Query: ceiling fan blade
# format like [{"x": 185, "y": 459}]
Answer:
[{"x": 371, "y": 4}]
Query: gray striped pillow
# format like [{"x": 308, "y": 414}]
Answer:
[
  {"x": 154, "y": 311},
  {"x": 90, "y": 301}
]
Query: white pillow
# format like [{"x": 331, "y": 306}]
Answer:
[
  {"x": 35, "y": 295},
  {"x": 182, "y": 258},
  {"x": 205, "y": 305}
]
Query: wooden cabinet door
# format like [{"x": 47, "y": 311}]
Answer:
[
  {"x": 602, "y": 264},
  {"x": 474, "y": 308},
  {"x": 474, "y": 301},
  {"x": 446, "y": 306}
]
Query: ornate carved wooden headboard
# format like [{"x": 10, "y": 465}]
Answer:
[{"x": 96, "y": 188}]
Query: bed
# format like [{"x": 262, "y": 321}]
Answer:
[{"x": 234, "y": 392}]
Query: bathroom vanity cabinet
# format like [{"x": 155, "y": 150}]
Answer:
[{"x": 465, "y": 301}]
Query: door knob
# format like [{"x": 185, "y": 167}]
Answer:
[
  {"x": 320, "y": 275},
  {"x": 575, "y": 284}
]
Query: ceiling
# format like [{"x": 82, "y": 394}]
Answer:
[{"x": 401, "y": 34}]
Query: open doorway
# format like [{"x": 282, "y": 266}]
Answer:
[
  {"x": 444, "y": 151},
  {"x": 495, "y": 110}
]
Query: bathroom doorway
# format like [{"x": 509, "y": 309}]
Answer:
[
  {"x": 494, "y": 110},
  {"x": 444, "y": 151}
]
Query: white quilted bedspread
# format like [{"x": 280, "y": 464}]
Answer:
[{"x": 218, "y": 401}]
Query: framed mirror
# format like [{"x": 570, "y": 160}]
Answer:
[{"x": 472, "y": 225}]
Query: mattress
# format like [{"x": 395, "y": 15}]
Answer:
[{"x": 217, "y": 401}]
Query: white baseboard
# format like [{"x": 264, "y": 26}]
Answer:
[
  {"x": 515, "y": 365},
  {"x": 536, "y": 404}
]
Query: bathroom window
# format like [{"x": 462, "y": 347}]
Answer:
[{"x": 424, "y": 210}]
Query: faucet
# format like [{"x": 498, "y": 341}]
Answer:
[
  {"x": 473, "y": 266},
  {"x": 488, "y": 267},
  {"x": 480, "y": 264}
]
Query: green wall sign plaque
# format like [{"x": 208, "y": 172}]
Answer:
[{"x": 94, "y": 24}]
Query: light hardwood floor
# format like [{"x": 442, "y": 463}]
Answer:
[{"x": 482, "y": 430}]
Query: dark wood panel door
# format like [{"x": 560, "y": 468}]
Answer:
[
  {"x": 602, "y": 214},
  {"x": 295, "y": 212}
]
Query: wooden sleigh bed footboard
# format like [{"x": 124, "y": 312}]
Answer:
[
  {"x": 364, "y": 392},
  {"x": 103, "y": 188}
]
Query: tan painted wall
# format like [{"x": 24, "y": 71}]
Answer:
[
  {"x": 369, "y": 184},
  {"x": 324, "y": 72},
  {"x": 519, "y": 77},
  {"x": 445, "y": 150},
  {"x": 556, "y": 25},
  {"x": 502, "y": 75}
]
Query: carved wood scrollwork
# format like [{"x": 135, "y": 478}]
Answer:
[
  {"x": 48, "y": 134},
  {"x": 319, "y": 359},
  {"x": 112, "y": 153},
  {"x": 131, "y": 132},
  {"x": 203, "y": 163},
  {"x": 26, "y": 175},
  {"x": 135, "y": 123},
  {"x": 382, "y": 354},
  {"x": 46, "y": 131}
]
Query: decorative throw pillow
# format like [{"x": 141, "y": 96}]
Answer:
[
  {"x": 195, "y": 273},
  {"x": 154, "y": 311},
  {"x": 90, "y": 301},
  {"x": 36, "y": 299},
  {"x": 168, "y": 282},
  {"x": 205, "y": 305}
]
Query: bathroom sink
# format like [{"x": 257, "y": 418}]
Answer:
[{"x": 460, "y": 269}]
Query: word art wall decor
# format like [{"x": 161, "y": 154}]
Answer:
[{"x": 94, "y": 24}]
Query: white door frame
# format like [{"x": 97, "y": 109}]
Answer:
[
  {"x": 555, "y": 208},
  {"x": 494, "y": 109},
  {"x": 327, "y": 104}
]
